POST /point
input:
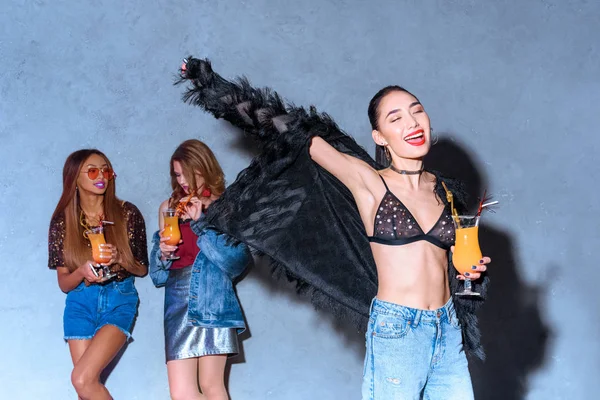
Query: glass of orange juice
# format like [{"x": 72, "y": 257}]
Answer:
[
  {"x": 96, "y": 238},
  {"x": 171, "y": 230},
  {"x": 466, "y": 248}
]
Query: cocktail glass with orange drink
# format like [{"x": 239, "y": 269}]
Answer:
[
  {"x": 96, "y": 238},
  {"x": 466, "y": 249},
  {"x": 171, "y": 230}
]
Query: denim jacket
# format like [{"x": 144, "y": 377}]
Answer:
[
  {"x": 212, "y": 300},
  {"x": 158, "y": 269}
]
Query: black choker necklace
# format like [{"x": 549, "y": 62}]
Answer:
[{"x": 405, "y": 172}]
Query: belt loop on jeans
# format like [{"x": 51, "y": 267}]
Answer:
[
  {"x": 416, "y": 318},
  {"x": 450, "y": 311}
]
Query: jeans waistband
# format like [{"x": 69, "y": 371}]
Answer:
[
  {"x": 111, "y": 282},
  {"x": 446, "y": 312}
]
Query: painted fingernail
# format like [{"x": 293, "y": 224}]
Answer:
[
  {"x": 467, "y": 274},
  {"x": 481, "y": 261},
  {"x": 474, "y": 267}
]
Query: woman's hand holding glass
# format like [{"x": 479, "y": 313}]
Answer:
[
  {"x": 466, "y": 253},
  {"x": 478, "y": 269},
  {"x": 90, "y": 273},
  {"x": 166, "y": 250},
  {"x": 110, "y": 252}
]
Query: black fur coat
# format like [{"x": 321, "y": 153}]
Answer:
[{"x": 287, "y": 207}]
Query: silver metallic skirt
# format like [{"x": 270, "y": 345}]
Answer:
[{"x": 186, "y": 341}]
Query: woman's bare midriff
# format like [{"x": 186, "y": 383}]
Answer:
[{"x": 413, "y": 275}]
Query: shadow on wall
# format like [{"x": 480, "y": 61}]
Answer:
[
  {"x": 514, "y": 335},
  {"x": 353, "y": 339},
  {"x": 261, "y": 271}
]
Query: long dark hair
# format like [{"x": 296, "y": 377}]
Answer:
[
  {"x": 373, "y": 111},
  {"x": 76, "y": 250}
]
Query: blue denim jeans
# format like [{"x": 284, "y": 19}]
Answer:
[
  {"x": 415, "y": 354},
  {"x": 89, "y": 308}
]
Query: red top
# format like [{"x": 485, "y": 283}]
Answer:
[{"x": 188, "y": 250}]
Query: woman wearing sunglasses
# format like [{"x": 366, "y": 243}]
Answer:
[
  {"x": 99, "y": 312},
  {"x": 202, "y": 313}
]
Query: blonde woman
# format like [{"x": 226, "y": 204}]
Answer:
[{"x": 202, "y": 313}]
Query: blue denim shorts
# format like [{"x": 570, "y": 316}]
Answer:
[
  {"x": 415, "y": 354},
  {"x": 89, "y": 308}
]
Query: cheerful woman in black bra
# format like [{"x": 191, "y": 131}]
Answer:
[
  {"x": 303, "y": 216},
  {"x": 414, "y": 341}
]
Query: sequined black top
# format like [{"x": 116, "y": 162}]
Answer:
[
  {"x": 136, "y": 231},
  {"x": 395, "y": 225}
]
